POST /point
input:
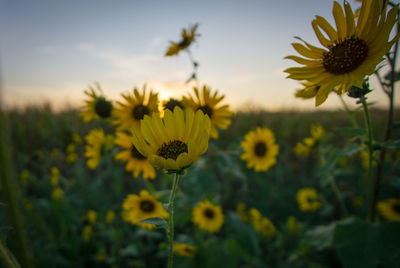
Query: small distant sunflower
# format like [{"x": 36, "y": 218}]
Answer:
[
  {"x": 260, "y": 149},
  {"x": 140, "y": 207},
  {"x": 135, "y": 106},
  {"x": 390, "y": 209},
  {"x": 96, "y": 145},
  {"x": 208, "y": 217},
  {"x": 209, "y": 104},
  {"x": 97, "y": 106},
  {"x": 261, "y": 224},
  {"x": 308, "y": 200},
  {"x": 135, "y": 161},
  {"x": 174, "y": 142},
  {"x": 188, "y": 37},
  {"x": 183, "y": 249},
  {"x": 350, "y": 53}
]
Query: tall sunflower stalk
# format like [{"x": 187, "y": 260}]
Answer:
[{"x": 173, "y": 143}]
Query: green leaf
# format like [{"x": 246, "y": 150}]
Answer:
[
  {"x": 390, "y": 145},
  {"x": 367, "y": 245},
  {"x": 351, "y": 131},
  {"x": 321, "y": 237},
  {"x": 158, "y": 222}
]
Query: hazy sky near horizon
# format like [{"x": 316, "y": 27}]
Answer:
[{"x": 50, "y": 51}]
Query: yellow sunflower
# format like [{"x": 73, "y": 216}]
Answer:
[
  {"x": 183, "y": 249},
  {"x": 260, "y": 149},
  {"x": 134, "y": 108},
  {"x": 390, "y": 209},
  {"x": 171, "y": 103},
  {"x": 209, "y": 104},
  {"x": 350, "y": 53},
  {"x": 97, "y": 106},
  {"x": 96, "y": 145},
  {"x": 188, "y": 37},
  {"x": 140, "y": 207},
  {"x": 261, "y": 224},
  {"x": 135, "y": 161},
  {"x": 317, "y": 131},
  {"x": 308, "y": 200},
  {"x": 174, "y": 142},
  {"x": 208, "y": 217}
]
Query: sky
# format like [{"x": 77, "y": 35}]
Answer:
[{"x": 52, "y": 50}]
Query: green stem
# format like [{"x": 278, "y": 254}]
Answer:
[
  {"x": 349, "y": 112},
  {"x": 370, "y": 151},
  {"x": 10, "y": 192},
  {"x": 338, "y": 195},
  {"x": 8, "y": 259},
  {"x": 171, "y": 221}
]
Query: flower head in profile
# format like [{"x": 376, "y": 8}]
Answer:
[
  {"x": 135, "y": 161},
  {"x": 208, "y": 217},
  {"x": 97, "y": 106},
  {"x": 209, "y": 104},
  {"x": 305, "y": 147},
  {"x": 261, "y": 224},
  {"x": 260, "y": 149},
  {"x": 188, "y": 37},
  {"x": 308, "y": 200},
  {"x": 390, "y": 209},
  {"x": 349, "y": 53},
  {"x": 185, "y": 250},
  {"x": 97, "y": 143},
  {"x": 174, "y": 142},
  {"x": 134, "y": 107},
  {"x": 140, "y": 207}
]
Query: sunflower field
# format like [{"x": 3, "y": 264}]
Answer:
[{"x": 187, "y": 182}]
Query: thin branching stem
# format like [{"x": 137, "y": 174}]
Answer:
[{"x": 388, "y": 130}]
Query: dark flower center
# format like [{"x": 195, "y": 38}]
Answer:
[
  {"x": 209, "y": 214},
  {"x": 136, "y": 154},
  {"x": 171, "y": 104},
  {"x": 146, "y": 206},
  {"x": 184, "y": 43},
  {"x": 260, "y": 149},
  {"x": 310, "y": 199},
  {"x": 188, "y": 250},
  {"x": 396, "y": 207},
  {"x": 140, "y": 111},
  {"x": 345, "y": 56},
  {"x": 172, "y": 149},
  {"x": 206, "y": 110},
  {"x": 103, "y": 108}
]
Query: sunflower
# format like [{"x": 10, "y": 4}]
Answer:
[
  {"x": 97, "y": 106},
  {"x": 135, "y": 107},
  {"x": 307, "y": 199},
  {"x": 188, "y": 37},
  {"x": 171, "y": 104},
  {"x": 261, "y": 224},
  {"x": 350, "y": 53},
  {"x": 96, "y": 145},
  {"x": 317, "y": 131},
  {"x": 260, "y": 149},
  {"x": 208, "y": 216},
  {"x": 135, "y": 161},
  {"x": 174, "y": 142},
  {"x": 183, "y": 249},
  {"x": 209, "y": 105},
  {"x": 140, "y": 207},
  {"x": 390, "y": 209}
]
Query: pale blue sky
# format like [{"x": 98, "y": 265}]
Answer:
[{"x": 52, "y": 50}]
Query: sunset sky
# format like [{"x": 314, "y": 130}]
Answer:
[{"x": 50, "y": 51}]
